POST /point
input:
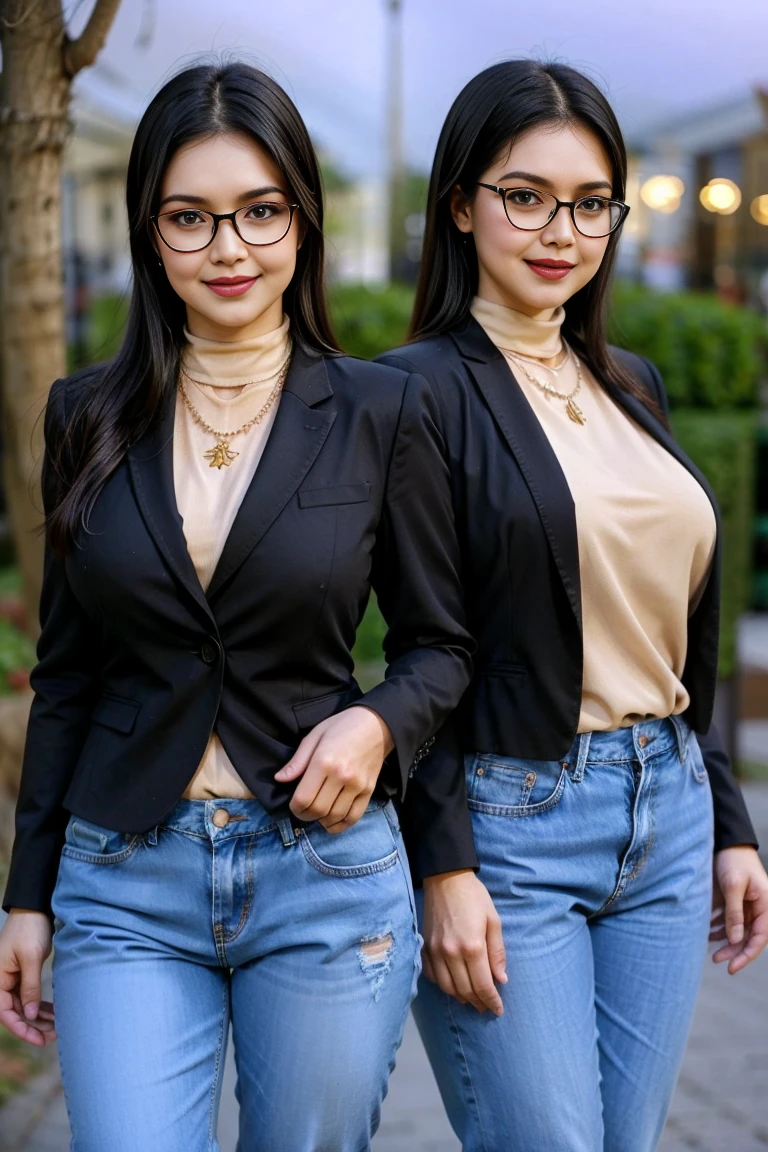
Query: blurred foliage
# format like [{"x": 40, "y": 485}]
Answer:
[
  {"x": 104, "y": 328},
  {"x": 722, "y": 443},
  {"x": 17, "y": 651},
  {"x": 710, "y": 354},
  {"x": 370, "y": 321},
  {"x": 18, "y": 1061}
]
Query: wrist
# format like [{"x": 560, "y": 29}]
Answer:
[
  {"x": 386, "y": 735},
  {"x": 442, "y": 879}
]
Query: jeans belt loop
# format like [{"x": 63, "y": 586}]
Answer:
[
  {"x": 581, "y": 758},
  {"x": 683, "y": 734},
  {"x": 287, "y": 834}
]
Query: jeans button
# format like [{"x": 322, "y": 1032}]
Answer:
[
  {"x": 220, "y": 818},
  {"x": 209, "y": 653}
]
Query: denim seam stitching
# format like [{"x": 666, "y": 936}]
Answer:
[
  {"x": 229, "y": 937},
  {"x": 518, "y": 810},
  {"x": 320, "y": 865},
  {"x": 455, "y": 1029},
  {"x": 74, "y": 853},
  {"x": 217, "y": 1069}
]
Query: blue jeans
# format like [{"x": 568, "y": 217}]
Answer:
[
  {"x": 600, "y": 867},
  {"x": 307, "y": 941}
]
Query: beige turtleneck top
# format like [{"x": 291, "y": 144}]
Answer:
[
  {"x": 646, "y": 533},
  {"x": 228, "y": 387}
]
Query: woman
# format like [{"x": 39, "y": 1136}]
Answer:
[
  {"x": 591, "y": 564},
  {"x": 219, "y": 501}
]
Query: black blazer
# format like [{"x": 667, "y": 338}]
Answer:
[
  {"x": 517, "y": 532},
  {"x": 137, "y": 665}
]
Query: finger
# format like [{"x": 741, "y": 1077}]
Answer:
[
  {"x": 463, "y": 981},
  {"x": 443, "y": 977},
  {"x": 734, "y": 913},
  {"x": 12, "y": 1018},
  {"x": 497, "y": 953},
  {"x": 481, "y": 979},
  {"x": 340, "y": 809},
  {"x": 318, "y": 802},
  {"x": 30, "y": 987},
  {"x": 299, "y": 762},
  {"x": 355, "y": 813},
  {"x": 426, "y": 966},
  {"x": 753, "y": 945}
]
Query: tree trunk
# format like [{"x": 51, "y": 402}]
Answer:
[{"x": 39, "y": 62}]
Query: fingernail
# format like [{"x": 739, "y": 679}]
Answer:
[
  {"x": 736, "y": 935},
  {"x": 504, "y": 978},
  {"x": 30, "y": 1011}
]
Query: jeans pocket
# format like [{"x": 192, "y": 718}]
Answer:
[
  {"x": 368, "y": 846},
  {"x": 92, "y": 844},
  {"x": 509, "y": 786},
  {"x": 696, "y": 760}
]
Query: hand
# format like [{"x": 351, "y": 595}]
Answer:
[
  {"x": 739, "y": 907},
  {"x": 463, "y": 944},
  {"x": 339, "y": 762},
  {"x": 25, "y": 942}
]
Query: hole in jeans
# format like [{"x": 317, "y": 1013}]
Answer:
[{"x": 375, "y": 954}]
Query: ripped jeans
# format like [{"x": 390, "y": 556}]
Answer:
[{"x": 306, "y": 941}]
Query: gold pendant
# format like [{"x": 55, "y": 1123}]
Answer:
[
  {"x": 220, "y": 456},
  {"x": 574, "y": 412}
]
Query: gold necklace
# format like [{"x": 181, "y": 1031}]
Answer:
[
  {"x": 220, "y": 455},
  {"x": 554, "y": 369},
  {"x": 574, "y": 412}
]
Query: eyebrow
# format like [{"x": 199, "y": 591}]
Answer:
[
  {"x": 589, "y": 186},
  {"x": 254, "y": 194}
]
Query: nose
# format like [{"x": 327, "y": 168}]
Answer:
[
  {"x": 227, "y": 246},
  {"x": 560, "y": 230}
]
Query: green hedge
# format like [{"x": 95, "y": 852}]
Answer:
[
  {"x": 710, "y": 354},
  {"x": 369, "y": 321},
  {"x": 723, "y": 445}
]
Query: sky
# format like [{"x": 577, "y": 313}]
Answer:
[{"x": 654, "y": 58}]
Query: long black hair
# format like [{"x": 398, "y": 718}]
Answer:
[
  {"x": 490, "y": 112},
  {"x": 118, "y": 403}
]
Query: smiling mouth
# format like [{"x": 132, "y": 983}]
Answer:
[
  {"x": 550, "y": 269},
  {"x": 231, "y": 285}
]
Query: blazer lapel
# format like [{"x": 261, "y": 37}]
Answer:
[
  {"x": 150, "y": 461},
  {"x": 295, "y": 440},
  {"x": 532, "y": 450}
]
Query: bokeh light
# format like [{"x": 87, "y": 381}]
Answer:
[
  {"x": 721, "y": 195},
  {"x": 759, "y": 209},
  {"x": 662, "y": 193}
]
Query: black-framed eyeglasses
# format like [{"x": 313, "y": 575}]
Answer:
[
  {"x": 530, "y": 210},
  {"x": 192, "y": 229}
]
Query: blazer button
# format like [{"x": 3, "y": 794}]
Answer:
[{"x": 209, "y": 651}]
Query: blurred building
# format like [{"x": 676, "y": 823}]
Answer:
[
  {"x": 94, "y": 221},
  {"x": 699, "y": 195}
]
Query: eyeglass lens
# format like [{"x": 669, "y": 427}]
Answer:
[
  {"x": 529, "y": 209},
  {"x": 191, "y": 229}
]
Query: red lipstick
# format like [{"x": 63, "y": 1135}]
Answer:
[
  {"x": 550, "y": 269},
  {"x": 231, "y": 285}
]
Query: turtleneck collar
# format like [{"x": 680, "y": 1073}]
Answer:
[
  {"x": 225, "y": 364},
  {"x": 508, "y": 329}
]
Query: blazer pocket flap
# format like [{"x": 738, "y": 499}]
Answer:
[
  {"x": 308, "y": 713},
  {"x": 115, "y": 713},
  {"x": 340, "y": 494}
]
